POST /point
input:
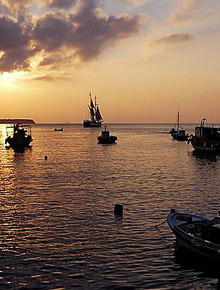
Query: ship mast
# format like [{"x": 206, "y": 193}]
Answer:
[
  {"x": 178, "y": 121},
  {"x": 91, "y": 108}
]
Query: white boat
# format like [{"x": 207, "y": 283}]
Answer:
[{"x": 197, "y": 234}]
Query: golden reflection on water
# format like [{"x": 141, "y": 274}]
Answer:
[{"x": 6, "y": 168}]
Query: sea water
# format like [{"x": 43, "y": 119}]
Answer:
[{"x": 57, "y": 223}]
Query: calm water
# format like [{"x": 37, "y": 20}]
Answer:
[{"x": 58, "y": 230}]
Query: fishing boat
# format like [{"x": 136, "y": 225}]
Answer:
[
  {"x": 177, "y": 132},
  {"x": 106, "y": 138},
  {"x": 197, "y": 234},
  {"x": 58, "y": 129},
  {"x": 206, "y": 138},
  {"x": 95, "y": 115},
  {"x": 21, "y": 137}
]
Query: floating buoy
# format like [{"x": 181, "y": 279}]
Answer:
[
  {"x": 45, "y": 157},
  {"x": 118, "y": 210}
]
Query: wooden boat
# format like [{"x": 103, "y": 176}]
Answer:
[
  {"x": 21, "y": 137},
  {"x": 206, "y": 138},
  {"x": 197, "y": 234},
  {"x": 177, "y": 132},
  {"x": 95, "y": 115},
  {"x": 58, "y": 129},
  {"x": 106, "y": 138}
]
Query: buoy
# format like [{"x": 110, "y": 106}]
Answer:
[
  {"x": 118, "y": 210},
  {"x": 45, "y": 157}
]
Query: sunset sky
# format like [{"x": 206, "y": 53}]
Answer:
[{"x": 144, "y": 59}]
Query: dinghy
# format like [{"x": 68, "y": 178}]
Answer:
[{"x": 197, "y": 234}]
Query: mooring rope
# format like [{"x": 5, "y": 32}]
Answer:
[{"x": 156, "y": 226}]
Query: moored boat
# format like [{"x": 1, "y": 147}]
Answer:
[
  {"x": 95, "y": 115},
  {"x": 206, "y": 138},
  {"x": 177, "y": 132},
  {"x": 106, "y": 138},
  {"x": 196, "y": 234},
  {"x": 58, "y": 129},
  {"x": 21, "y": 137}
]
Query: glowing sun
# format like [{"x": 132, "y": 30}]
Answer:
[{"x": 5, "y": 75}]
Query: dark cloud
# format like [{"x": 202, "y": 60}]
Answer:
[
  {"x": 84, "y": 33},
  {"x": 17, "y": 59},
  {"x": 15, "y": 44},
  {"x": 176, "y": 38},
  {"x": 56, "y": 62},
  {"x": 95, "y": 31},
  {"x": 51, "y": 31},
  {"x": 11, "y": 35},
  {"x": 87, "y": 31},
  {"x": 61, "y": 4}
]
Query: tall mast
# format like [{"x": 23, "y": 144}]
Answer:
[
  {"x": 178, "y": 120},
  {"x": 91, "y": 108},
  {"x": 95, "y": 103}
]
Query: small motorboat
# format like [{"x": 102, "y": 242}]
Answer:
[
  {"x": 58, "y": 129},
  {"x": 106, "y": 138},
  {"x": 21, "y": 137},
  {"x": 197, "y": 234}
]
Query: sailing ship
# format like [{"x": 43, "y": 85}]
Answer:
[
  {"x": 177, "y": 132},
  {"x": 21, "y": 138},
  {"x": 95, "y": 115},
  {"x": 206, "y": 139}
]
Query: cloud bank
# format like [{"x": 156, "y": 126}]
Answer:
[{"x": 67, "y": 27}]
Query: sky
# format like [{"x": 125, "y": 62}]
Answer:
[{"x": 143, "y": 59}]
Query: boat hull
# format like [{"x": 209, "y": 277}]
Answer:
[
  {"x": 179, "y": 138},
  {"x": 179, "y": 135},
  {"x": 198, "y": 245},
  {"x": 19, "y": 144},
  {"x": 202, "y": 145},
  {"x": 107, "y": 140},
  {"x": 90, "y": 124}
]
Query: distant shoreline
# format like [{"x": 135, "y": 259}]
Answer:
[
  {"x": 17, "y": 121},
  {"x": 126, "y": 123}
]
